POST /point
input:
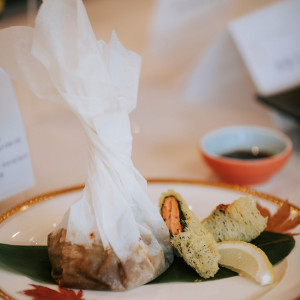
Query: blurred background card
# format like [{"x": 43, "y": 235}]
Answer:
[
  {"x": 269, "y": 43},
  {"x": 16, "y": 172}
]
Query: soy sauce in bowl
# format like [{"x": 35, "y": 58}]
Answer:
[
  {"x": 254, "y": 153},
  {"x": 245, "y": 155}
]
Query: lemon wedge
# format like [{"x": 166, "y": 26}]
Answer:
[{"x": 246, "y": 259}]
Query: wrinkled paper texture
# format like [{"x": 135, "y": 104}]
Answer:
[{"x": 61, "y": 60}]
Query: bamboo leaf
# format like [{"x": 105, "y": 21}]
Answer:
[
  {"x": 33, "y": 261},
  {"x": 277, "y": 246}
]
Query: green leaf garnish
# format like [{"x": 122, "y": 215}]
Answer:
[
  {"x": 277, "y": 246},
  {"x": 33, "y": 261}
]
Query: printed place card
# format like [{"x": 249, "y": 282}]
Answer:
[
  {"x": 269, "y": 42},
  {"x": 16, "y": 172}
]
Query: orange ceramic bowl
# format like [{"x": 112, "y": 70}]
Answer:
[{"x": 234, "y": 153}]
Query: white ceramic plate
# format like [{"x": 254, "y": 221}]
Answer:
[{"x": 30, "y": 223}]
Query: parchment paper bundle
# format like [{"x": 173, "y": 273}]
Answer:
[{"x": 113, "y": 237}]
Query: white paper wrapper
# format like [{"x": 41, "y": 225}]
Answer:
[{"x": 61, "y": 60}]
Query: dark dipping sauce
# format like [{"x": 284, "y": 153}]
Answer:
[{"x": 247, "y": 154}]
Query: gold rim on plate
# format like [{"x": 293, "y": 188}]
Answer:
[
  {"x": 247, "y": 190},
  {"x": 243, "y": 189}
]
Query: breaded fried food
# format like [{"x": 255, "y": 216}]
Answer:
[
  {"x": 194, "y": 243},
  {"x": 238, "y": 221}
]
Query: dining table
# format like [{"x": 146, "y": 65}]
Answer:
[{"x": 167, "y": 126}]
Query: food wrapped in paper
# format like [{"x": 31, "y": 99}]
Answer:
[{"x": 113, "y": 237}]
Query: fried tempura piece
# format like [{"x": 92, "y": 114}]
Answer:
[
  {"x": 188, "y": 236},
  {"x": 238, "y": 221}
]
